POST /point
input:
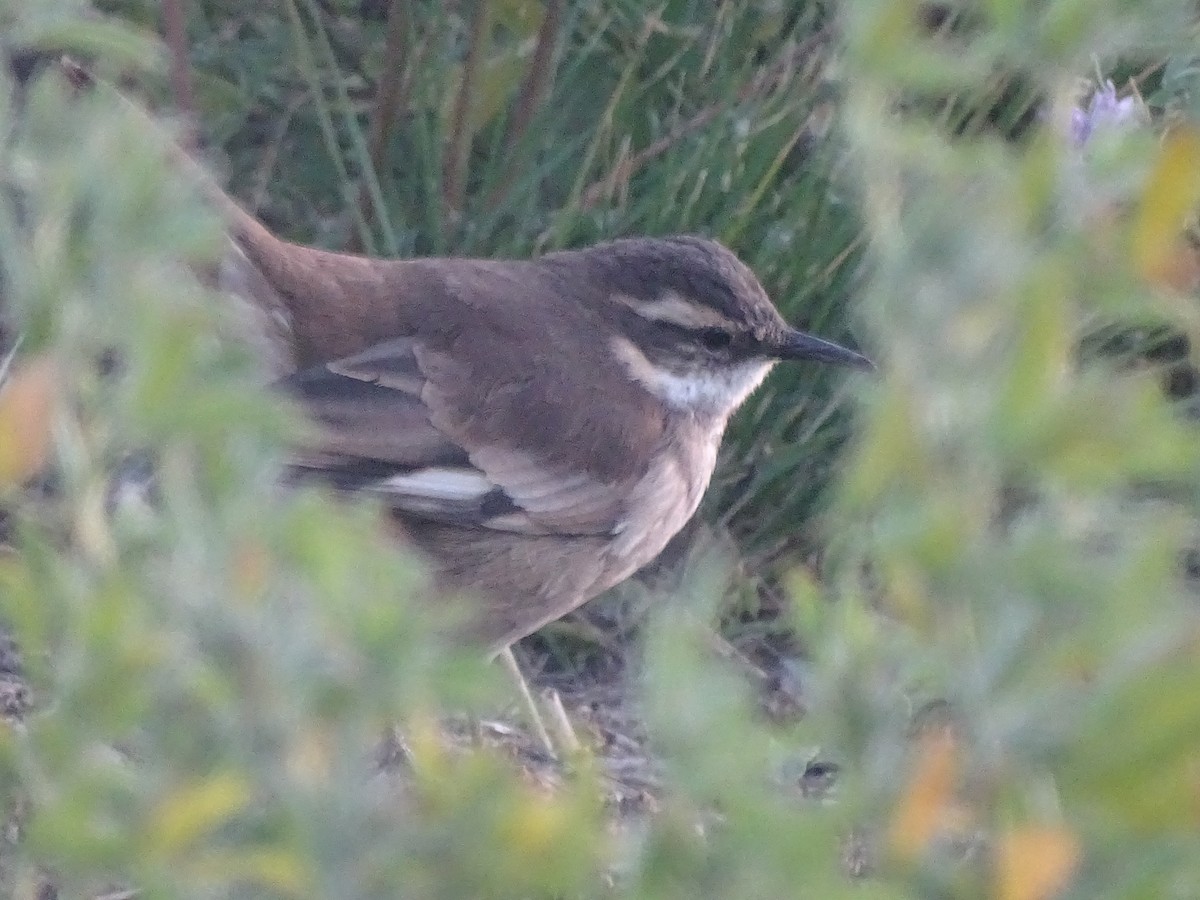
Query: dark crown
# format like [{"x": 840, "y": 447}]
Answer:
[{"x": 697, "y": 269}]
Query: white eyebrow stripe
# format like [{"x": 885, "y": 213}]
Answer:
[{"x": 674, "y": 308}]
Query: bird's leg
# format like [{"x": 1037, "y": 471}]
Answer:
[
  {"x": 535, "y": 719},
  {"x": 563, "y": 732}
]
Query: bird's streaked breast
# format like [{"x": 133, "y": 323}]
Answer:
[{"x": 663, "y": 500}]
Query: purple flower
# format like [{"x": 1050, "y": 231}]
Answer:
[{"x": 1104, "y": 112}]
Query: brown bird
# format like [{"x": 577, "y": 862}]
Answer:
[{"x": 540, "y": 429}]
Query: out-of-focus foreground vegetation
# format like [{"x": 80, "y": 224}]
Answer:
[{"x": 1003, "y": 647}]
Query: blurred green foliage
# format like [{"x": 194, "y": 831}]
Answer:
[
  {"x": 1022, "y": 512},
  {"x": 1004, "y": 654}
]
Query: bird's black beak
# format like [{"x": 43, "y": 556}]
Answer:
[{"x": 799, "y": 345}]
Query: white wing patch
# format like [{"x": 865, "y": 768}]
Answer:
[
  {"x": 523, "y": 497},
  {"x": 440, "y": 483}
]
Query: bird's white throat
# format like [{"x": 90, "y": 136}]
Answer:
[{"x": 717, "y": 390}]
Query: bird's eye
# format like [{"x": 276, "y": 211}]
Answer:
[{"x": 715, "y": 338}]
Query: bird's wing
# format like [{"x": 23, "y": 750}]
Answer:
[{"x": 376, "y": 412}]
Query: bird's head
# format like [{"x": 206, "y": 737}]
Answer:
[{"x": 691, "y": 323}]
